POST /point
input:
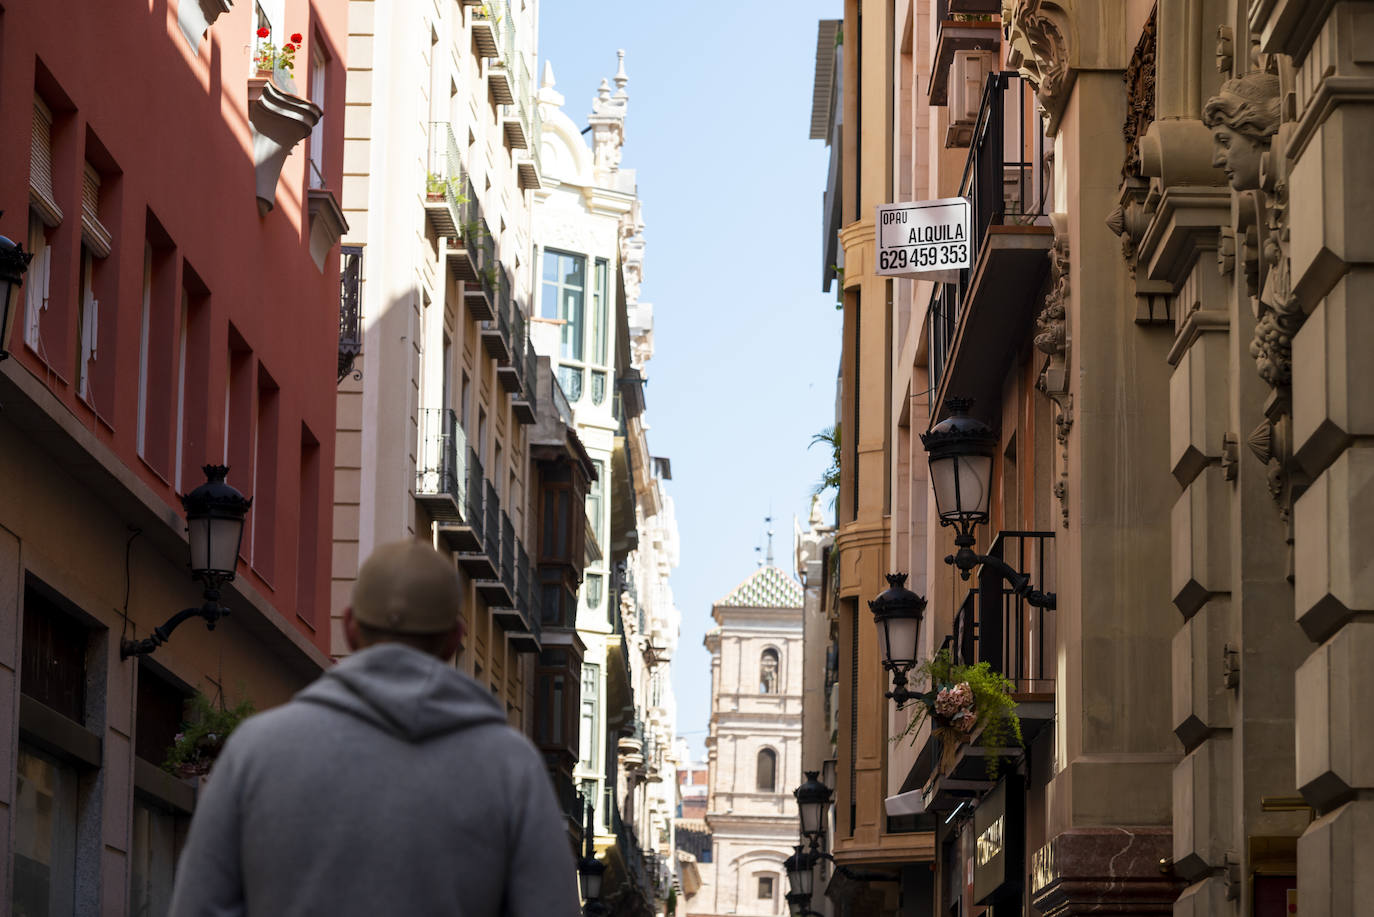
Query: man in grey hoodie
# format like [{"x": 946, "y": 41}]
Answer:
[{"x": 391, "y": 785}]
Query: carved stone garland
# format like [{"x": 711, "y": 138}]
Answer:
[{"x": 1052, "y": 339}]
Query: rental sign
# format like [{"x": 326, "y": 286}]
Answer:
[{"x": 925, "y": 240}]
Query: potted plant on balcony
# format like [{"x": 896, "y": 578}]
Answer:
[
  {"x": 272, "y": 61},
  {"x": 964, "y": 701},
  {"x": 203, "y": 735}
]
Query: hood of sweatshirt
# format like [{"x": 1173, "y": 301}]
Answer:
[{"x": 404, "y": 692}]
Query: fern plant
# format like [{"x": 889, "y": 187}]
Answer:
[{"x": 992, "y": 707}]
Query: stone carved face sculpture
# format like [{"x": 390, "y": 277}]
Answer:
[{"x": 1243, "y": 117}]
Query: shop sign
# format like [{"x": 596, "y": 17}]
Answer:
[
  {"x": 927, "y": 240},
  {"x": 999, "y": 838}
]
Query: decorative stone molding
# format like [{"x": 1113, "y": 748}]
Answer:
[
  {"x": 1052, "y": 339},
  {"x": 1037, "y": 46},
  {"x": 327, "y": 223},
  {"x": 196, "y": 16},
  {"x": 279, "y": 122},
  {"x": 1140, "y": 97},
  {"x": 1250, "y": 131}
]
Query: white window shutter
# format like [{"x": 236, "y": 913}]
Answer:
[
  {"x": 96, "y": 236},
  {"x": 40, "y": 165}
]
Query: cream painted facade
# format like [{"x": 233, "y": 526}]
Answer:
[
  {"x": 432, "y": 441},
  {"x": 754, "y": 748},
  {"x": 598, "y": 335}
]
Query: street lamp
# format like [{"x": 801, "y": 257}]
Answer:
[
  {"x": 590, "y": 870},
  {"x": 800, "y": 877},
  {"x": 813, "y": 802},
  {"x": 14, "y": 261},
  {"x": 813, "y": 799},
  {"x": 214, "y": 526},
  {"x": 960, "y": 450},
  {"x": 898, "y": 612}
]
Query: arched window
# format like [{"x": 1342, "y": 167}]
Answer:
[
  {"x": 768, "y": 672},
  {"x": 767, "y": 771}
]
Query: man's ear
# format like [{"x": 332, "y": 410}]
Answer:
[
  {"x": 453, "y": 641},
  {"x": 351, "y": 633}
]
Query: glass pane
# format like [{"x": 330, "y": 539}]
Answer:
[
  {"x": 152, "y": 860},
  {"x": 44, "y": 836},
  {"x": 551, "y": 266},
  {"x": 548, "y": 301},
  {"x": 573, "y": 268},
  {"x": 600, "y": 320},
  {"x": 573, "y": 330}
]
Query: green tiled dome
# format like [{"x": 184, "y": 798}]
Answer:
[{"x": 767, "y": 587}]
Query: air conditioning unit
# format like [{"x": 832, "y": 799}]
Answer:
[{"x": 968, "y": 74}]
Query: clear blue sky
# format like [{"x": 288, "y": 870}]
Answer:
[{"x": 746, "y": 345}]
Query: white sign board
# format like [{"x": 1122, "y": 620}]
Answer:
[{"x": 926, "y": 240}]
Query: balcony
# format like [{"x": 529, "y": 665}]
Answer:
[
  {"x": 499, "y": 83},
  {"x": 979, "y": 324},
  {"x": 511, "y": 366},
  {"x": 464, "y": 249},
  {"x": 997, "y": 626},
  {"x": 480, "y": 296},
  {"x": 350, "y": 309},
  {"x": 472, "y": 554},
  {"x": 515, "y": 114},
  {"x": 524, "y": 403},
  {"x": 521, "y": 622},
  {"x": 964, "y": 26},
  {"x": 485, "y": 20},
  {"x": 496, "y": 338},
  {"x": 487, "y": 574},
  {"x": 441, "y": 480},
  {"x": 447, "y": 188},
  {"x": 528, "y": 168},
  {"x": 630, "y": 854}
]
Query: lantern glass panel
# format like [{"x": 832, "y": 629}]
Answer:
[
  {"x": 897, "y": 640},
  {"x": 800, "y": 876},
  {"x": 812, "y": 816},
  {"x": 225, "y": 534},
  {"x": 962, "y": 486},
  {"x": 590, "y": 879}
]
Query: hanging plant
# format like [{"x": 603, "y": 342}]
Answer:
[
  {"x": 203, "y": 735},
  {"x": 962, "y": 700}
]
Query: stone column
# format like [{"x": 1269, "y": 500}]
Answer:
[{"x": 1331, "y": 277}]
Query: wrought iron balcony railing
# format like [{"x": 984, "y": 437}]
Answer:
[
  {"x": 508, "y": 553},
  {"x": 998, "y": 626},
  {"x": 1005, "y": 182},
  {"x": 448, "y": 190},
  {"x": 350, "y": 309},
  {"x": 441, "y": 466}
]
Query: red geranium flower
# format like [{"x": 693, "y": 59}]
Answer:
[
  {"x": 296, "y": 37},
  {"x": 288, "y": 47},
  {"x": 264, "y": 32}
]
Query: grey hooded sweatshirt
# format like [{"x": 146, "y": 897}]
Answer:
[{"x": 391, "y": 785}]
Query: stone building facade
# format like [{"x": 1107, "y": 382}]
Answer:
[
  {"x": 754, "y": 748},
  {"x": 598, "y": 337},
  {"x": 1159, "y": 325}
]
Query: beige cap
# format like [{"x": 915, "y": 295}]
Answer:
[{"x": 407, "y": 587}]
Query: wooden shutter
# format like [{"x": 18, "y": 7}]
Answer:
[
  {"x": 40, "y": 165},
  {"x": 93, "y": 232}
]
